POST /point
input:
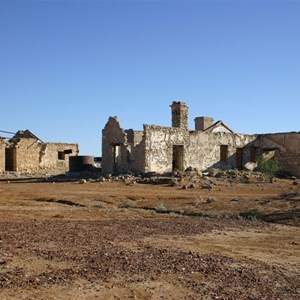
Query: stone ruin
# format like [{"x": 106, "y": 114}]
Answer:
[
  {"x": 210, "y": 145},
  {"x": 25, "y": 152}
]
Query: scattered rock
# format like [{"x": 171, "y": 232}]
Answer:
[
  {"x": 82, "y": 181},
  {"x": 174, "y": 183},
  {"x": 210, "y": 200},
  {"x": 250, "y": 166},
  {"x": 237, "y": 200},
  {"x": 207, "y": 186},
  {"x": 188, "y": 169}
]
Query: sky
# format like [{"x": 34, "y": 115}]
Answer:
[{"x": 66, "y": 66}]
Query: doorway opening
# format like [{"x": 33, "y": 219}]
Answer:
[
  {"x": 224, "y": 153},
  {"x": 239, "y": 158},
  {"x": 253, "y": 153},
  {"x": 178, "y": 157},
  {"x": 10, "y": 159}
]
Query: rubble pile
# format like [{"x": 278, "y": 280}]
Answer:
[{"x": 192, "y": 178}]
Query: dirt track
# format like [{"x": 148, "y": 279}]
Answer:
[{"x": 115, "y": 241}]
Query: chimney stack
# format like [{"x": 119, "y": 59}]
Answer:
[
  {"x": 202, "y": 123},
  {"x": 179, "y": 115}
]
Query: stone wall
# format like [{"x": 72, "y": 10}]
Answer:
[
  {"x": 159, "y": 143},
  {"x": 122, "y": 150},
  {"x": 204, "y": 150},
  {"x": 115, "y": 148},
  {"x": 135, "y": 150},
  {"x": 56, "y": 155},
  {"x": 288, "y": 150},
  {"x": 201, "y": 150},
  {"x": 2, "y": 154},
  {"x": 161, "y": 149},
  {"x": 29, "y": 155}
]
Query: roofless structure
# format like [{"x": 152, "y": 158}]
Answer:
[{"x": 211, "y": 144}]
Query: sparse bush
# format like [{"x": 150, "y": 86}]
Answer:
[
  {"x": 197, "y": 202},
  {"x": 252, "y": 215},
  {"x": 268, "y": 166},
  {"x": 129, "y": 204},
  {"x": 101, "y": 204},
  {"x": 160, "y": 207}
]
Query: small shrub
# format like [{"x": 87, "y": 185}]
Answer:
[
  {"x": 160, "y": 207},
  {"x": 197, "y": 202},
  {"x": 101, "y": 205},
  {"x": 251, "y": 215},
  {"x": 129, "y": 204},
  {"x": 268, "y": 166}
]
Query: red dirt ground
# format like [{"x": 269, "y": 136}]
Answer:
[{"x": 117, "y": 241}]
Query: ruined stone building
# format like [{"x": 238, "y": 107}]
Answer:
[
  {"x": 211, "y": 144},
  {"x": 25, "y": 152}
]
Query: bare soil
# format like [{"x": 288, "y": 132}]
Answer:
[{"x": 112, "y": 240}]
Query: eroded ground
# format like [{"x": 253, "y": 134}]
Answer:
[{"x": 117, "y": 241}]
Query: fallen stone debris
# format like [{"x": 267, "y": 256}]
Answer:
[{"x": 191, "y": 178}]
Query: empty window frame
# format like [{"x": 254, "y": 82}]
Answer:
[
  {"x": 61, "y": 155},
  {"x": 68, "y": 151}
]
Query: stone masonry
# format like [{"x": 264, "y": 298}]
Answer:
[
  {"x": 25, "y": 153},
  {"x": 163, "y": 149},
  {"x": 2, "y": 154}
]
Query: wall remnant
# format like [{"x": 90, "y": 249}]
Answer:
[{"x": 2, "y": 153}]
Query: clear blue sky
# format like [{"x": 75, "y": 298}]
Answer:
[{"x": 66, "y": 66}]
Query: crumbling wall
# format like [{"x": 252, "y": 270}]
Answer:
[
  {"x": 162, "y": 149},
  {"x": 113, "y": 136},
  {"x": 29, "y": 155},
  {"x": 205, "y": 147},
  {"x": 288, "y": 150},
  {"x": 122, "y": 150},
  {"x": 159, "y": 143},
  {"x": 201, "y": 150},
  {"x": 139, "y": 160},
  {"x": 56, "y": 155},
  {"x": 2, "y": 154},
  {"x": 136, "y": 155}
]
